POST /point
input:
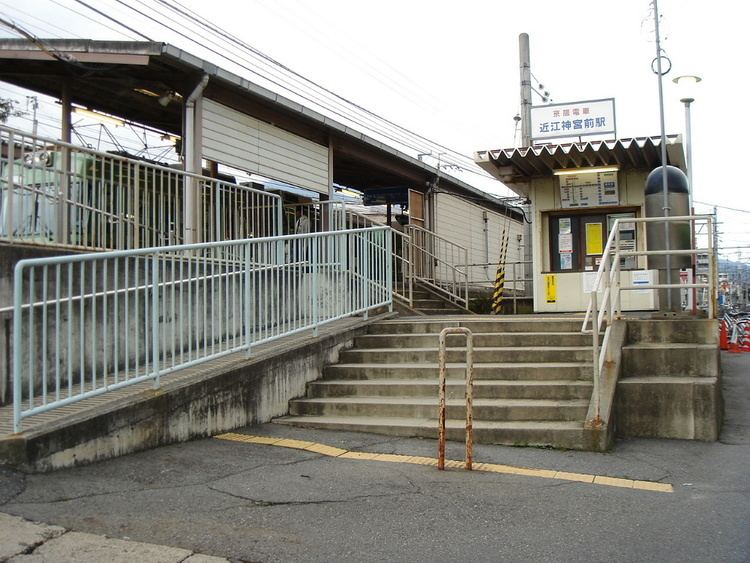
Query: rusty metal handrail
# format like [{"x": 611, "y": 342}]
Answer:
[{"x": 469, "y": 394}]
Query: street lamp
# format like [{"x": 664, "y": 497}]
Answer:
[{"x": 687, "y": 84}]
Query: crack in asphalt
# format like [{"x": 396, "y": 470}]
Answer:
[
  {"x": 259, "y": 502},
  {"x": 205, "y": 483}
]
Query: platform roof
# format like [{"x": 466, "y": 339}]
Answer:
[
  {"x": 112, "y": 76},
  {"x": 515, "y": 167}
]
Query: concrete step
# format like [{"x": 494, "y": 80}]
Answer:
[
  {"x": 481, "y": 339},
  {"x": 686, "y": 331},
  {"x": 559, "y": 434},
  {"x": 455, "y": 389},
  {"x": 423, "y": 407},
  {"x": 671, "y": 360},
  {"x": 529, "y": 371},
  {"x": 428, "y": 302},
  {"x": 438, "y": 311},
  {"x": 482, "y": 325},
  {"x": 481, "y": 354},
  {"x": 688, "y": 408}
]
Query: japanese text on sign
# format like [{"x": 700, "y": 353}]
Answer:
[
  {"x": 595, "y": 117},
  {"x": 589, "y": 189}
]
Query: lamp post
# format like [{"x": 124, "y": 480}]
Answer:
[
  {"x": 687, "y": 84},
  {"x": 688, "y": 81}
]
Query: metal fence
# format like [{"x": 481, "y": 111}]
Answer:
[
  {"x": 86, "y": 324},
  {"x": 58, "y": 193},
  {"x": 436, "y": 263},
  {"x": 322, "y": 216}
]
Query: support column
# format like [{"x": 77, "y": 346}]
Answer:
[
  {"x": 63, "y": 230},
  {"x": 191, "y": 140}
]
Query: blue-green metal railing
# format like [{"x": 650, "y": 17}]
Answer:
[
  {"x": 56, "y": 193},
  {"x": 87, "y": 324}
]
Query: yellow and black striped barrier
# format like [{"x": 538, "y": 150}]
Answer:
[{"x": 497, "y": 295}]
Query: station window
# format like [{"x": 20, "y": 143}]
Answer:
[{"x": 576, "y": 241}]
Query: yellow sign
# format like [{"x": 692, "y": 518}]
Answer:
[
  {"x": 550, "y": 285},
  {"x": 594, "y": 239}
]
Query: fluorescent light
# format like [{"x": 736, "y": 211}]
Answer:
[
  {"x": 568, "y": 171},
  {"x": 103, "y": 118},
  {"x": 146, "y": 92}
]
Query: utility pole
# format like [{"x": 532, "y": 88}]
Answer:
[
  {"x": 525, "y": 69},
  {"x": 33, "y": 101},
  {"x": 665, "y": 190},
  {"x": 524, "y": 57}
]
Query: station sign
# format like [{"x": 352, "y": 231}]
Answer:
[{"x": 574, "y": 119}]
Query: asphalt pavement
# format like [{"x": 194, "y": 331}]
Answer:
[{"x": 258, "y": 502}]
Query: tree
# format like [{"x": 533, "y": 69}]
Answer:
[{"x": 8, "y": 109}]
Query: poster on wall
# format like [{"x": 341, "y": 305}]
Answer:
[
  {"x": 566, "y": 261},
  {"x": 565, "y": 243},
  {"x": 563, "y": 225},
  {"x": 588, "y": 281},
  {"x": 594, "y": 239}
]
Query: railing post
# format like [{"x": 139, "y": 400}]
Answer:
[
  {"x": 64, "y": 196},
  {"x": 17, "y": 343},
  {"x": 410, "y": 269},
  {"x": 155, "y": 319},
  {"x": 366, "y": 281},
  {"x": 466, "y": 280},
  {"x": 469, "y": 395},
  {"x": 595, "y": 334},
  {"x": 248, "y": 313},
  {"x": 137, "y": 208},
  {"x": 389, "y": 257},
  {"x": 314, "y": 289},
  {"x": 712, "y": 269},
  {"x": 8, "y": 200}
]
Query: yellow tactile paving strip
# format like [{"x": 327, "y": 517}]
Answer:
[{"x": 419, "y": 460}]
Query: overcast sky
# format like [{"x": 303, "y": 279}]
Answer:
[{"x": 449, "y": 69}]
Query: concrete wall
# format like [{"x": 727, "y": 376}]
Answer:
[
  {"x": 217, "y": 398},
  {"x": 462, "y": 222},
  {"x": 10, "y": 255}
]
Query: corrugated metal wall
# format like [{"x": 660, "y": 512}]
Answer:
[
  {"x": 462, "y": 222},
  {"x": 238, "y": 140}
]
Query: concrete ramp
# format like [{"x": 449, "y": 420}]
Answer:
[{"x": 203, "y": 400}]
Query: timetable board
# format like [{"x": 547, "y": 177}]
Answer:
[{"x": 589, "y": 189}]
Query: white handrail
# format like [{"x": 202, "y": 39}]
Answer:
[
  {"x": 445, "y": 257},
  {"x": 607, "y": 283}
]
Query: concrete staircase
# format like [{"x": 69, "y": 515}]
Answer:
[
  {"x": 532, "y": 382},
  {"x": 670, "y": 382}
]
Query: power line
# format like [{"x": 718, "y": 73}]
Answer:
[
  {"x": 377, "y": 123},
  {"x": 82, "y": 3},
  {"x": 723, "y": 207},
  {"x": 387, "y": 131},
  {"x": 98, "y": 22},
  {"x": 194, "y": 18}
]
